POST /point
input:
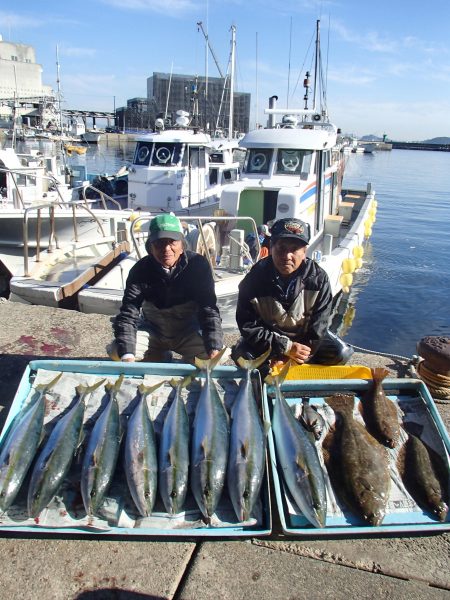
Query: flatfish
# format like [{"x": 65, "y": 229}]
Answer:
[
  {"x": 361, "y": 462},
  {"x": 380, "y": 414}
]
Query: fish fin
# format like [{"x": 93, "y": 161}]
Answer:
[
  {"x": 44, "y": 387},
  {"x": 301, "y": 463},
  {"x": 144, "y": 390},
  {"x": 342, "y": 403},
  {"x": 114, "y": 387},
  {"x": 244, "y": 449},
  {"x": 170, "y": 456},
  {"x": 379, "y": 374},
  {"x": 266, "y": 426},
  {"x": 209, "y": 363},
  {"x": 249, "y": 365},
  {"x": 88, "y": 389}
]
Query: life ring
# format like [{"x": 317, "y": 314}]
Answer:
[
  {"x": 142, "y": 154},
  {"x": 258, "y": 161},
  {"x": 163, "y": 155}
]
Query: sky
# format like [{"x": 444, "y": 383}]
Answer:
[{"x": 386, "y": 64}]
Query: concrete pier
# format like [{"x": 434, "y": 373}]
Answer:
[{"x": 66, "y": 567}]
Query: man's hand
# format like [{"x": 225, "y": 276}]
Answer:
[
  {"x": 213, "y": 353},
  {"x": 128, "y": 359},
  {"x": 299, "y": 352}
]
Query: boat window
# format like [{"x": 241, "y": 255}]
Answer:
[
  {"x": 216, "y": 157},
  {"x": 229, "y": 175},
  {"x": 197, "y": 157},
  {"x": 142, "y": 153},
  {"x": 294, "y": 162},
  {"x": 213, "y": 176},
  {"x": 257, "y": 160},
  {"x": 166, "y": 155}
]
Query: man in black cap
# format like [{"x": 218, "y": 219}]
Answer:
[
  {"x": 285, "y": 302},
  {"x": 169, "y": 303}
]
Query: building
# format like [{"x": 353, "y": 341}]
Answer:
[
  {"x": 206, "y": 100},
  {"x": 21, "y": 85},
  {"x": 135, "y": 115}
]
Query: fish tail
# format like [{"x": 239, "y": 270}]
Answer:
[
  {"x": 379, "y": 374},
  {"x": 144, "y": 390},
  {"x": 342, "y": 403},
  {"x": 45, "y": 387},
  {"x": 206, "y": 364},
  {"x": 182, "y": 383},
  {"x": 114, "y": 387},
  {"x": 278, "y": 379},
  {"x": 249, "y": 365},
  {"x": 88, "y": 389}
]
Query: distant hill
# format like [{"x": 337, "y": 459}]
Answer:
[
  {"x": 371, "y": 138},
  {"x": 438, "y": 140}
]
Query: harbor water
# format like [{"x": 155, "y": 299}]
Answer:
[{"x": 401, "y": 293}]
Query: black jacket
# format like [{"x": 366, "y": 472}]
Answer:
[
  {"x": 191, "y": 281},
  {"x": 269, "y": 314}
]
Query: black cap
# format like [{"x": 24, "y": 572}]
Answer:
[{"x": 290, "y": 228}]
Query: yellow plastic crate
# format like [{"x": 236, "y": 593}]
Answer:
[{"x": 297, "y": 372}]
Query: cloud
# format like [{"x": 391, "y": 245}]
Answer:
[
  {"x": 165, "y": 7},
  {"x": 20, "y": 21}
]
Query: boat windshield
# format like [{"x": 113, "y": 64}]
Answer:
[
  {"x": 159, "y": 153},
  {"x": 257, "y": 160},
  {"x": 294, "y": 162}
]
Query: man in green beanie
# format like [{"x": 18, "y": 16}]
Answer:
[{"x": 169, "y": 303}]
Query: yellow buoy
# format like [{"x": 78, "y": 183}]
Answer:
[
  {"x": 358, "y": 251},
  {"x": 367, "y": 231},
  {"x": 359, "y": 262},
  {"x": 348, "y": 265},
  {"x": 346, "y": 280}
]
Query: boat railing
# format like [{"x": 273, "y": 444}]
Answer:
[
  {"x": 221, "y": 226},
  {"x": 33, "y": 172},
  {"x": 103, "y": 197},
  {"x": 53, "y": 242}
]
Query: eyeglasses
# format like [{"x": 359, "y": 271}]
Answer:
[{"x": 163, "y": 242}]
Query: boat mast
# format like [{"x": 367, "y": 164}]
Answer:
[
  {"x": 316, "y": 62},
  {"x": 233, "y": 49}
]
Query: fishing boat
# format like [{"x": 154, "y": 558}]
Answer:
[
  {"x": 294, "y": 168},
  {"x": 181, "y": 169}
]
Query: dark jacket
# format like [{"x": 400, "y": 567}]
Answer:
[
  {"x": 269, "y": 313},
  {"x": 149, "y": 284}
]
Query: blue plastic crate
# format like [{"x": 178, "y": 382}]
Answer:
[
  {"x": 404, "y": 515},
  {"x": 134, "y": 374}
]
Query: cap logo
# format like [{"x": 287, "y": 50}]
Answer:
[{"x": 294, "y": 228}]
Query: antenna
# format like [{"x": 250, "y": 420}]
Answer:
[{"x": 289, "y": 64}]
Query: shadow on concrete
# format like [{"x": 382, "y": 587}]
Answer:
[{"x": 116, "y": 594}]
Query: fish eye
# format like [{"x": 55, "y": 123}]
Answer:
[
  {"x": 173, "y": 494},
  {"x": 92, "y": 494},
  {"x": 146, "y": 495},
  {"x": 246, "y": 494}
]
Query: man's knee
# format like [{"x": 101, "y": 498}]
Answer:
[{"x": 332, "y": 351}]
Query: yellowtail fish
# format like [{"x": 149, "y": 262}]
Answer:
[
  {"x": 102, "y": 450},
  {"x": 247, "y": 455},
  {"x": 53, "y": 463},
  {"x": 174, "y": 452},
  {"x": 21, "y": 444},
  {"x": 297, "y": 457},
  {"x": 140, "y": 457},
  {"x": 209, "y": 444}
]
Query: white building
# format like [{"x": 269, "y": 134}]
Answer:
[{"x": 21, "y": 79}]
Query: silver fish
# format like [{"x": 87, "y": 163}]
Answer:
[
  {"x": 102, "y": 451},
  {"x": 246, "y": 460},
  {"x": 297, "y": 458},
  {"x": 174, "y": 452},
  {"x": 209, "y": 448},
  {"x": 54, "y": 461},
  {"x": 21, "y": 444},
  {"x": 141, "y": 463}
]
